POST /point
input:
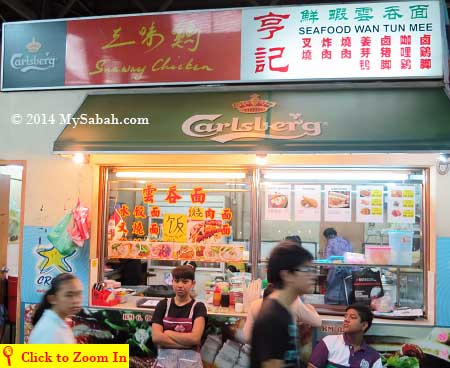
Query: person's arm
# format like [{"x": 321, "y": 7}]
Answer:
[
  {"x": 319, "y": 356},
  {"x": 273, "y": 363},
  {"x": 250, "y": 319},
  {"x": 306, "y": 313},
  {"x": 188, "y": 339},
  {"x": 159, "y": 337}
]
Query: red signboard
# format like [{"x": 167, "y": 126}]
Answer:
[{"x": 178, "y": 47}]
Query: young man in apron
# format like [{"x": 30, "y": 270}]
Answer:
[{"x": 178, "y": 324}]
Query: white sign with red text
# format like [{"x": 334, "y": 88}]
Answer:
[{"x": 341, "y": 41}]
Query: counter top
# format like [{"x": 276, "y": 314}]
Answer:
[{"x": 130, "y": 304}]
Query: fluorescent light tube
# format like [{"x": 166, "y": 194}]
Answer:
[
  {"x": 337, "y": 175},
  {"x": 179, "y": 175}
]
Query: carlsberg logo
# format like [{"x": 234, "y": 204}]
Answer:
[{"x": 202, "y": 126}]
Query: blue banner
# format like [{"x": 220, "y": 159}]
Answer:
[{"x": 41, "y": 261}]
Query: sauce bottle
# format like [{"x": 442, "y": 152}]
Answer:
[{"x": 217, "y": 296}]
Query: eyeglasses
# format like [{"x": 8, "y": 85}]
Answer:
[{"x": 311, "y": 270}]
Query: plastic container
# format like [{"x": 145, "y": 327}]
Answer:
[
  {"x": 401, "y": 242},
  {"x": 378, "y": 255}
]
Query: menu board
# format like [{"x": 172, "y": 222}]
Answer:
[
  {"x": 277, "y": 203},
  {"x": 338, "y": 205},
  {"x": 369, "y": 203},
  {"x": 308, "y": 203},
  {"x": 401, "y": 204},
  {"x": 176, "y": 251}
]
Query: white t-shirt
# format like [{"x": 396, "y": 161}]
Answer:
[{"x": 51, "y": 329}]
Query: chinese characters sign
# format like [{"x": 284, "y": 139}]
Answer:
[
  {"x": 341, "y": 41},
  {"x": 367, "y": 40}
]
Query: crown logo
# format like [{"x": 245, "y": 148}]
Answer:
[
  {"x": 33, "y": 46},
  {"x": 254, "y": 105}
]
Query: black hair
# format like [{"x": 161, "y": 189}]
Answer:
[
  {"x": 55, "y": 285},
  {"x": 329, "y": 233},
  {"x": 364, "y": 312},
  {"x": 232, "y": 268},
  {"x": 294, "y": 238},
  {"x": 190, "y": 264},
  {"x": 287, "y": 255},
  {"x": 183, "y": 272},
  {"x": 268, "y": 290}
]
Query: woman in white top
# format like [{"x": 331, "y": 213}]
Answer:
[
  {"x": 303, "y": 313},
  {"x": 62, "y": 300}
]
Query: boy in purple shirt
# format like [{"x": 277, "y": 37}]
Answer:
[{"x": 348, "y": 349}]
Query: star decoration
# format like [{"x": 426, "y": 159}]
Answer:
[{"x": 53, "y": 259}]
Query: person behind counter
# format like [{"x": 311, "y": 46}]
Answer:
[
  {"x": 274, "y": 337},
  {"x": 337, "y": 276},
  {"x": 178, "y": 323},
  {"x": 348, "y": 349},
  {"x": 303, "y": 313},
  {"x": 62, "y": 300}
]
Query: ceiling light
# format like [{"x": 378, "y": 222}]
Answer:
[
  {"x": 337, "y": 175},
  {"x": 180, "y": 175},
  {"x": 79, "y": 158},
  {"x": 261, "y": 160}
]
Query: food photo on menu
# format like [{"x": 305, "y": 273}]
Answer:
[{"x": 339, "y": 199}]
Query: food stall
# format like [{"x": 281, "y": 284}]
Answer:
[{"x": 219, "y": 175}]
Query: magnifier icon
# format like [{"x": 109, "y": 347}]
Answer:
[{"x": 7, "y": 352}]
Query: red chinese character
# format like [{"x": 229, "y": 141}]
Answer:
[
  {"x": 227, "y": 215},
  {"x": 210, "y": 213},
  {"x": 386, "y": 41},
  {"x": 139, "y": 212},
  {"x": 198, "y": 195},
  {"x": 154, "y": 229},
  {"x": 327, "y": 42},
  {"x": 365, "y": 52},
  {"x": 346, "y": 42},
  {"x": 124, "y": 211},
  {"x": 138, "y": 228},
  {"x": 364, "y": 64},
  {"x": 306, "y": 42},
  {"x": 405, "y": 52},
  {"x": 346, "y": 54},
  {"x": 425, "y": 51},
  {"x": 172, "y": 195},
  {"x": 385, "y": 52},
  {"x": 385, "y": 64},
  {"x": 425, "y": 40},
  {"x": 155, "y": 211},
  {"x": 405, "y": 63},
  {"x": 425, "y": 63},
  {"x": 271, "y": 22},
  {"x": 307, "y": 55},
  {"x": 405, "y": 40},
  {"x": 326, "y": 54},
  {"x": 148, "y": 193},
  {"x": 366, "y": 41},
  {"x": 121, "y": 228},
  {"x": 226, "y": 230},
  {"x": 260, "y": 59}
]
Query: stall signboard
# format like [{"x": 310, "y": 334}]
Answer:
[
  {"x": 165, "y": 251},
  {"x": 338, "y": 203},
  {"x": 277, "y": 203},
  {"x": 369, "y": 203},
  {"x": 315, "y": 42},
  {"x": 43, "y": 262},
  {"x": 308, "y": 202},
  {"x": 401, "y": 204}
]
